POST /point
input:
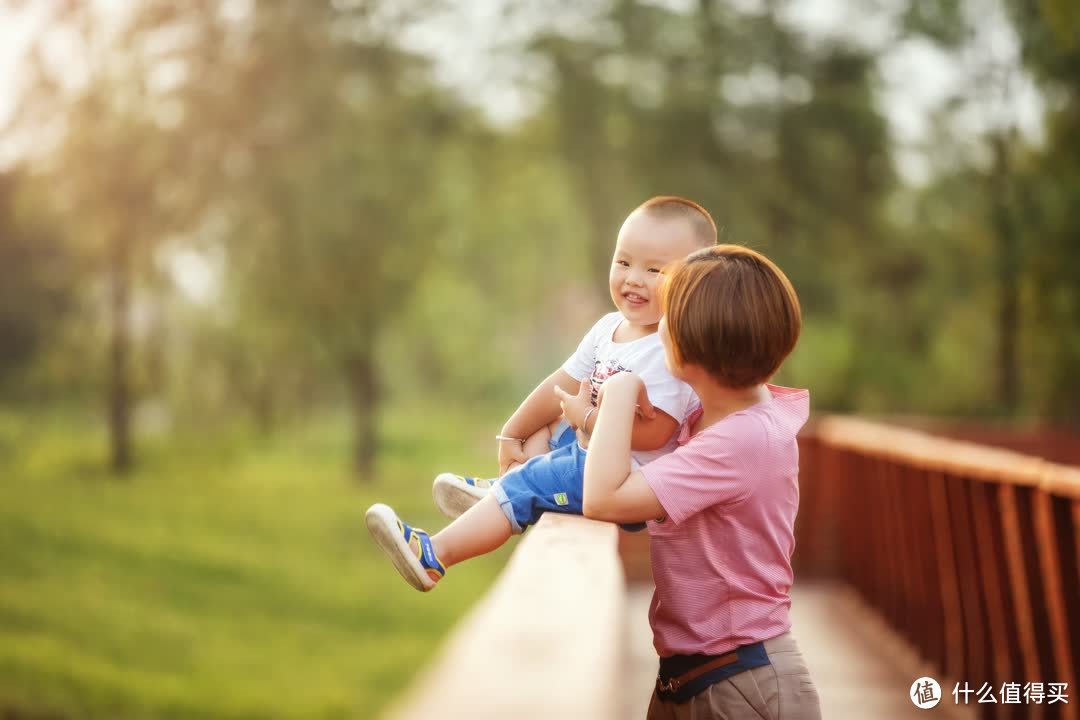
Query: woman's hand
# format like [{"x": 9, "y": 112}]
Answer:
[
  {"x": 611, "y": 490},
  {"x": 511, "y": 453},
  {"x": 575, "y": 407}
]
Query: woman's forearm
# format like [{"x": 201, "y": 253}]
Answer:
[{"x": 607, "y": 464}]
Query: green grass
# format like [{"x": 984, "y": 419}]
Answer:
[{"x": 228, "y": 577}]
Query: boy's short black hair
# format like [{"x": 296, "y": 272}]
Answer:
[{"x": 673, "y": 206}]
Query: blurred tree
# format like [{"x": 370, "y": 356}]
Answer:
[
  {"x": 326, "y": 144},
  {"x": 1015, "y": 221},
  {"x": 782, "y": 139},
  {"x": 378, "y": 240},
  {"x": 110, "y": 168},
  {"x": 1050, "y": 36},
  {"x": 313, "y": 139},
  {"x": 35, "y": 273}
]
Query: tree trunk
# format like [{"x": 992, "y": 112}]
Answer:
[
  {"x": 263, "y": 408},
  {"x": 1008, "y": 389},
  {"x": 363, "y": 401},
  {"x": 119, "y": 356}
]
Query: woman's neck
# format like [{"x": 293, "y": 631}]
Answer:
[{"x": 719, "y": 401}]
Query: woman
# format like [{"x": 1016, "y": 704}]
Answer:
[{"x": 721, "y": 508}]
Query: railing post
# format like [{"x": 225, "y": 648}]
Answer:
[
  {"x": 1052, "y": 571},
  {"x": 948, "y": 577},
  {"x": 990, "y": 559},
  {"x": 972, "y": 552}
]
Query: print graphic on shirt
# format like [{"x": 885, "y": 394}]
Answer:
[{"x": 601, "y": 372}]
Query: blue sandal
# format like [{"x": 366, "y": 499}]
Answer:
[
  {"x": 408, "y": 548},
  {"x": 454, "y": 494}
]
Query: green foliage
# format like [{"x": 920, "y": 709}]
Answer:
[
  {"x": 381, "y": 241},
  {"x": 939, "y": 20},
  {"x": 230, "y": 578}
]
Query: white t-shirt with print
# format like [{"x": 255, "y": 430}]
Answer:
[{"x": 598, "y": 357}]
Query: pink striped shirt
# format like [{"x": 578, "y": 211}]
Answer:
[{"x": 721, "y": 558}]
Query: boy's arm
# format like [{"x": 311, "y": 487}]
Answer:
[
  {"x": 611, "y": 491},
  {"x": 540, "y": 408},
  {"x": 651, "y": 429},
  {"x": 651, "y": 433}
]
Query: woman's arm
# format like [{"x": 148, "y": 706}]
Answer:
[
  {"x": 652, "y": 428},
  {"x": 612, "y": 492}
]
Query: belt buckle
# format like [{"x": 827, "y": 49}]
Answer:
[{"x": 671, "y": 686}]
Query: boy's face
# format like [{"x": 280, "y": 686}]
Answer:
[{"x": 645, "y": 245}]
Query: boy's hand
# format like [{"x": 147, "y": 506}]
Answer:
[
  {"x": 575, "y": 407},
  {"x": 511, "y": 453}
]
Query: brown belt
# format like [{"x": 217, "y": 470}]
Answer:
[{"x": 673, "y": 684}]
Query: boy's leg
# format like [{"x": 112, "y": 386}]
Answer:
[
  {"x": 557, "y": 480},
  {"x": 537, "y": 443},
  {"x": 540, "y": 442},
  {"x": 514, "y": 503},
  {"x": 454, "y": 494},
  {"x": 483, "y": 528},
  {"x": 546, "y": 483},
  {"x": 421, "y": 559}
]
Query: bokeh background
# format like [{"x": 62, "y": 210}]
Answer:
[{"x": 264, "y": 263}]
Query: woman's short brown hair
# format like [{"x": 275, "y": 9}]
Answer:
[{"x": 731, "y": 311}]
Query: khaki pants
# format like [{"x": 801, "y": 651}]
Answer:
[{"x": 780, "y": 691}]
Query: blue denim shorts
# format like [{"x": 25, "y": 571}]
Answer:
[
  {"x": 546, "y": 483},
  {"x": 550, "y": 482},
  {"x": 563, "y": 435}
]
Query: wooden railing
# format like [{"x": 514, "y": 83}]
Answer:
[
  {"x": 545, "y": 642},
  {"x": 972, "y": 553}
]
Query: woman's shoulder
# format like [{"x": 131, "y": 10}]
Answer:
[{"x": 743, "y": 434}]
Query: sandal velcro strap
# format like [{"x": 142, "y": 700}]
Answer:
[{"x": 427, "y": 555}]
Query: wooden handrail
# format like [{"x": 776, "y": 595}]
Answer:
[
  {"x": 971, "y": 552},
  {"x": 937, "y": 454},
  {"x": 545, "y": 642}
]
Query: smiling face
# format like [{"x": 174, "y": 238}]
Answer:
[{"x": 645, "y": 245}]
